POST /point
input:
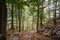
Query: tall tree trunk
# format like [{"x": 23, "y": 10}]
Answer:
[
  {"x": 16, "y": 22},
  {"x": 19, "y": 20},
  {"x": 19, "y": 17},
  {"x": 59, "y": 13},
  {"x": 49, "y": 10},
  {"x": 37, "y": 15},
  {"x": 41, "y": 18},
  {"x": 55, "y": 13},
  {"x": 3, "y": 18},
  {"x": 59, "y": 10},
  {"x": 22, "y": 23},
  {"x": 0, "y": 15},
  {"x": 12, "y": 26}
]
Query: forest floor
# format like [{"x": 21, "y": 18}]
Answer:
[{"x": 32, "y": 35}]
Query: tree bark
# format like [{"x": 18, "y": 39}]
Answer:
[
  {"x": 12, "y": 26},
  {"x": 55, "y": 13},
  {"x": 37, "y": 16},
  {"x": 0, "y": 15},
  {"x": 49, "y": 10},
  {"x": 23, "y": 23},
  {"x": 41, "y": 18},
  {"x": 16, "y": 22},
  {"x": 19, "y": 17},
  {"x": 59, "y": 13},
  {"x": 3, "y": 18}
]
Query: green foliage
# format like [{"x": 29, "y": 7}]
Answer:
[{"x": 29, "y": 10}]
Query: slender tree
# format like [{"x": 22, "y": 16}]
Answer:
[
  {"x": 23, "y": 23},
  {"x": 38, "y": 14},
  {"x": 59, "y": 9},
  {"x": 16, "y": 21},
  {"x": 21, "y": 19},
  {"x": 49, "y": 9},
  {"x": 0, "y": 14},
  {"x": 59, "y": 13},
  {"x": 41, "y": 16},
  {"x": 3, "y": 18},
  {"x": 55, "y": 12},
  {"x": 12, "y": 26},
  {"x": 19, "y": 16}
]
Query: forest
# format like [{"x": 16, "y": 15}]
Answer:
[{"x": 29, "y": 19}]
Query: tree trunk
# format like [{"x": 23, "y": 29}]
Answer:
[
  {"x": 0, "y": 15},
  {"x": 19, "y": 20},
  {"x": 19, "y": 17},
  {"x": 37, "y": 15},
  {"x": 3, "y": 18},
  {"x": 59, "y": 10},
  {"x": 49, "y": 10},
  {"x": 16, "y": 22},
  {"x": 12, "y": 26},
  {"x": 23, "y": 23},
  {"x": 41, "y": 18},
  {"x": 59, "y": 13},
  {"x": 55, "y": 13}
]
